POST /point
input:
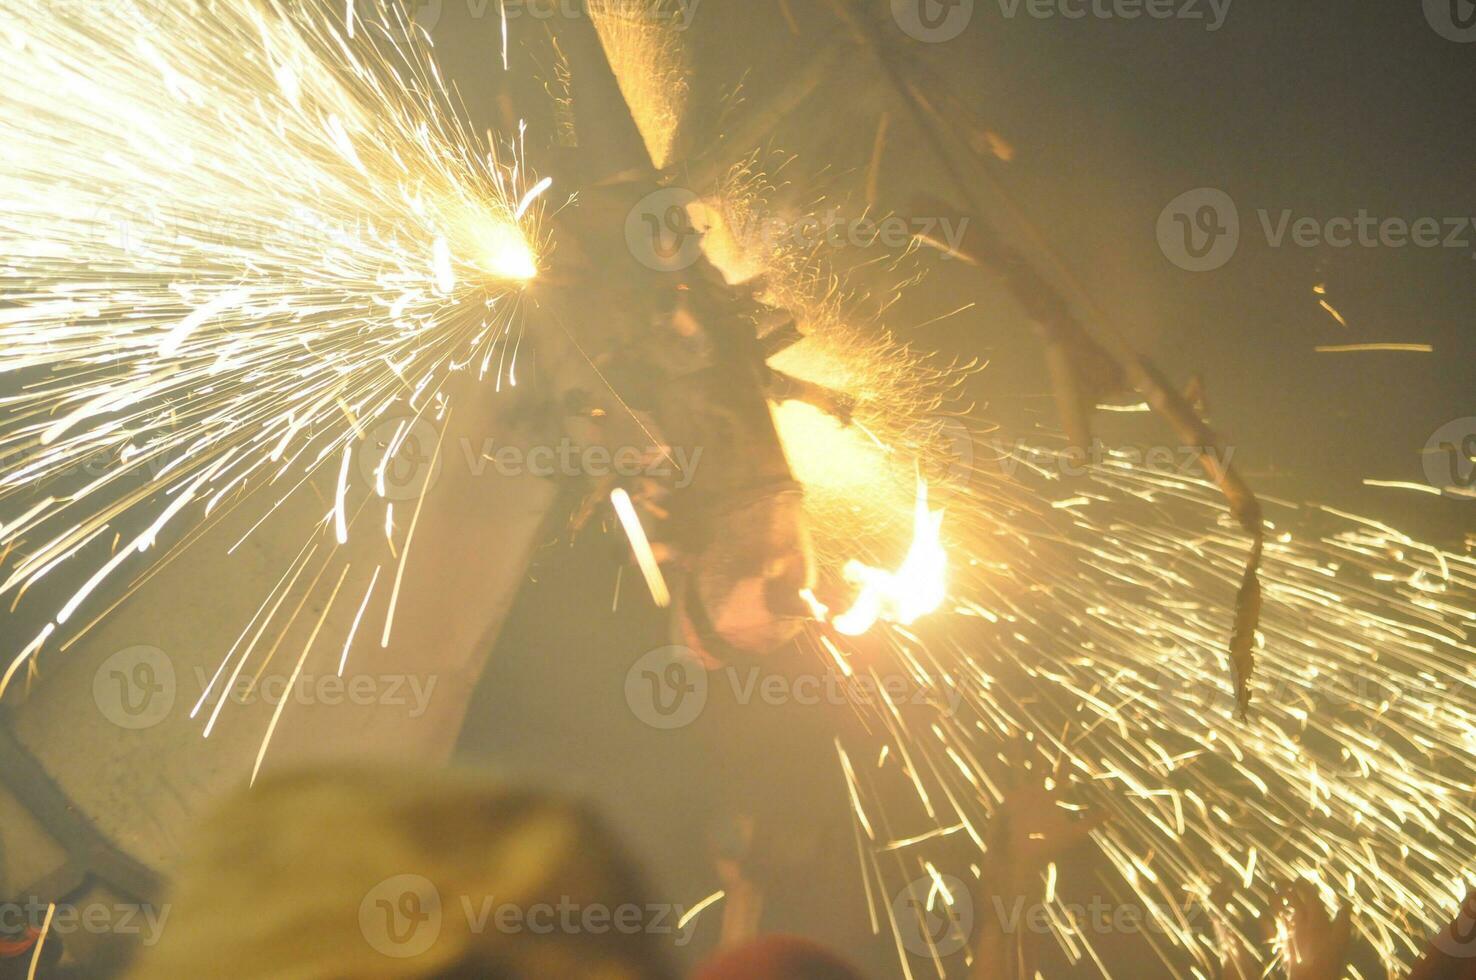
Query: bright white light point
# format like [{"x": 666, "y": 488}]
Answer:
[
  {"x": 504, "y": 253},
  {"x": 441, "y": 266},
  {"x": 913, "y": 591}
]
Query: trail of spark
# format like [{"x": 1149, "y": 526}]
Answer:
[
  {"x": 354, "y": 629},
  {"x": 41, "y": 941},
  {"x": 296, "y": 673},
  {"x": 640, "y": 546},
  {"x": 389, "y": 616}
]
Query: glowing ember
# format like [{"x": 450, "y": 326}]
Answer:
[
  {"x": 641, "y": 547},
  {"x": 914, "y": 590}
]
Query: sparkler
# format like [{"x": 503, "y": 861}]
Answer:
[{"x": 232, "y": 244}]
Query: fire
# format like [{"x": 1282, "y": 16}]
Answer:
[
  {"x": 917, "y": 588},
  {"x": 504, "y": 252}
]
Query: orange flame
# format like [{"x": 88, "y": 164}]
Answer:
[{"x": 917, "y": 588}]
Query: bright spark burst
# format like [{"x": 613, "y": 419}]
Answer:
[
  {"x": 1096, "y": 633},
  {"x": 1087, "y": 619},
  {"x": 231, "y": 245}
]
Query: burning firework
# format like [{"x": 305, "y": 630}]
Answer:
[{"x": 231, "y": 249}]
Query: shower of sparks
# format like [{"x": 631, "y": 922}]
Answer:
[
  {"x": 1086, "y": 620},
  {"x": 643, "y": 42},
  {"x": 231, "y": 247},
  {"x": 1095, "y": 633}
]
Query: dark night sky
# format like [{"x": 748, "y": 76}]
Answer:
[{"x": 1322, "y": 108}]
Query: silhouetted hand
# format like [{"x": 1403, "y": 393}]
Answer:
[
  {"x": 1032, "y": 827},
  {"x": 1316, "y": 946}
]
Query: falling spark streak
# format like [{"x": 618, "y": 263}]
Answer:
[
  {"x": 1332, "y": 312},
  {"x": 41, "y": 941},
  {"x": 296, "y": 673},
  {"x": 354, "y": 629},
  {"x": 640, "y": 546},
  {"x": 340, "y": 524},
  {"x": 1355, "y": 348},
  {"x": 502, "y": 16},
  {"x": 176, "y": 337},
  {"x": 533, "y": 194},
  {"x": 1401, "y": 485},
  {"x": 701, "y": 907},
  {"x": 394, "y": 599}
]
